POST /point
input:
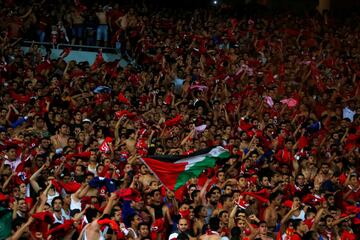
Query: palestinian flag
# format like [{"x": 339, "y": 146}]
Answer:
[{"x": 175, "y": 171}]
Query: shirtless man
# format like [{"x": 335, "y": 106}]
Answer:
[
  {"x": 61, "y": 138},
  {"x": 214, "y": 227},
  {"x": 270, "y": 214},
  {"x": 324, "y": 174},
  {"x": 145, "y": 178},
  {"x": 130, "y": 141},
  {"x": 102, "y": 29},
  {"x": 262, "y": 232},
  {"x": 92, "y": 231},
  {"x": 77, "y": 21}
]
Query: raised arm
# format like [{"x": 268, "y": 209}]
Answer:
[{"x": 33, "y": 179}]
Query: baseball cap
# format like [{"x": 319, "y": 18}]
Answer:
[{"x": 86, "y": 120}]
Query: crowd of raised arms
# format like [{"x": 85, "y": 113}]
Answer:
[{"x": 280, "y": 93}]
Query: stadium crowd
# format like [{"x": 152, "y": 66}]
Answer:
[{"x": 280, "y": 93}]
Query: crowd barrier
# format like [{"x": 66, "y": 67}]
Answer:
[{"x": 79, "y": 53}]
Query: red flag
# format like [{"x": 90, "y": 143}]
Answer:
[
  {"x": 128, "y": 194},
  {"x": 258, "y": 195},
  {"x": 104, "y": 147},
  {"x": 172, "y": 122},
  {"x": 99, "y": 59},
  {"x": 121, "y": 113},
  {"x": 44, "y": 217},
  {"x": 352, "y": 210},
  {"x": 71, "y": 187},
  {"x": 303, "y": 142},
  {"x": 65, "y": 52},
  {"x": 79, "y": 155},
  {"x": 123, "y": 99},
  {"x": 348, "y": 235},
  {"x": 168, "y": 99},
  {"x": 56, "y": 185},
  {"x": 3, "y": 197},
  {"x": 114, "y": 226},
  {"x": 60, "y": 230}
]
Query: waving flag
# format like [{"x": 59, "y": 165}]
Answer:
[
  {"x": 123, "y": 99},
  {"x": 175, "y": 171},
  {"x": 104, "y": 147}
]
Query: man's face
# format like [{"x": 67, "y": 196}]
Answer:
[
  {"x": 64, "y": 129},
  {"x": 228, "y": 190},
  {"x": 137, "y": 220},
  {"x": 331, "y": 201},
  {"x": 2, "y": 136},
  {"x": 329, "y": 221},
  {"x": 221, "y": 176},
  {"x": 78, "y": 171},
  {"x": 217, "y": 194},
  {"x": 289, "y": 145},
  {"x": 22, "y": 206},
  {"x": 242, "y": 182},
  {"x": 276, "y": 178},
  {"x": 303, "y": 227},
  {"x": 265, "y": 182},
  {"x": 144, "y": 231},
  {"x": 278, "y": 200},
  {"x": 117, "y": 216},
  {"x": 325, "y": 169},
  {"x": 144, "y": 170},
  {"x": 183, "y": 225},
  {"x": 157, "y": 196},
  {"x": 300, "y": 180},
  {"x": 11, "y": 154},
  {"x": 45, "y": 143},
  {"x": 72, "y": 143},
  {"x": 3, "y": 112},
  {"x": 78, "y": 116},
  {"x": 263, "y": 228},
  {"x": 353, "y": 180},
  {"x": 57, "y": 205},
  {"x": 213, "y": 199},
  {"x": 225, "y": 218}
]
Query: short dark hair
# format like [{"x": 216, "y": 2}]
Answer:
[
  {"x": 143, "y": 224},
  {"x": 91, "y": 213},
  {"x": 129, "y": 132},
  {"x": 296, "y": 223},
  {"x": 56, "y": 198},
  {"x": 222, "y": 213},
  {"x": 197, "y": 210},
  {"x": 214, "y": 223},
  {"x": 274, "y": 195},
  {"x": 225, "y": 197},
  {"x": 193, "y": 194},
  {"x": 152, "y": 193}
]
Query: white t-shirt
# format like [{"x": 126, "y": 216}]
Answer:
[{"x": 74, "y": 204}]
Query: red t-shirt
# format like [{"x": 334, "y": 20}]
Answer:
[{"x": 296, "y": 236}]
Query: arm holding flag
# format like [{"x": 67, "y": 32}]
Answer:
[
  {"x": 43, "y": 198},
  {"x": 6, "y": 183},
  {"x": 116, "y": 132},
  {"x": 18, "y": 234},
  {"x": 112, "y": 201},
  {"x": 34, "y": 177},
  {"x": 81, "y": 192}
]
